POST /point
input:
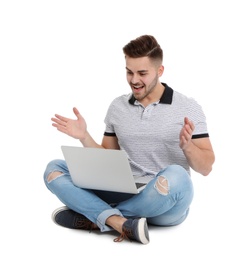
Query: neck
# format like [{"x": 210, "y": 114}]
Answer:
[{"x": 154, "y": 96}]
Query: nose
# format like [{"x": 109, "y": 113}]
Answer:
[{"x": 134, "y": 79}]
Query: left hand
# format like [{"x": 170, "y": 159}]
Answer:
[{"x": 186, "y": 133}]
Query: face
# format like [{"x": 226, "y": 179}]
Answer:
[{"x": 142, "y": 76}]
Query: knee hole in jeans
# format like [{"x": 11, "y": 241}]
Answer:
[
  {"x": 53, "y": 175},
  {"x": 161, "y": 185}
]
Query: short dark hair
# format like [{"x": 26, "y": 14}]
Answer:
[{"x": 144, "y": 46}]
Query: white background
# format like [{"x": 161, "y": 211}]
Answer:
[{"x": 58, "y": 54}]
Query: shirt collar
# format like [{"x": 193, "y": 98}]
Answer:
[{"x": 166, "y": 98}]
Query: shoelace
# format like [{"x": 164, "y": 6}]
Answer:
[
  {"x": 121, "y": 237},
  {"x": 86, "y": 225},
  {"x": 126, "y": 234}
]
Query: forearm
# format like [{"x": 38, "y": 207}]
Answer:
[
  {"x": 88, "y": 141},
  {"x": 200, "y": 160}
]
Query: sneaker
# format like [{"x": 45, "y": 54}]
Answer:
[
  {"x": 134, "y": 229},
  {"x": 70, "y": 219}
]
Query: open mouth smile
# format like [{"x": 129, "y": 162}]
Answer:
[{"x": 137, "y": 88}]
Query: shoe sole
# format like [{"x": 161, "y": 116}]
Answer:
[
  {"x": 142, "y": 227},
  {"x": 56, "y": 211}
]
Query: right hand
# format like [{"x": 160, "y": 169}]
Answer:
[{"x": 76, "y": 128}]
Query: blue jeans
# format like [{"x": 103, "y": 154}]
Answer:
[{"x": 160, "y": 208}]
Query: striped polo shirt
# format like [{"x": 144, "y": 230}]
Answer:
[{"x": 150, "y": 135}]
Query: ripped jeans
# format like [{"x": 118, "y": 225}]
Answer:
[{"x": 164, "y": 202}]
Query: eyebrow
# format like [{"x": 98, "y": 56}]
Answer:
[{"x": 137, "y": 71}]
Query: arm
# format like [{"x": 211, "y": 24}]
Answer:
[{"x": 199, "y": 152}]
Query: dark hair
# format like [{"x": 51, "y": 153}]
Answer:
[{"x": 144, "y": 46}]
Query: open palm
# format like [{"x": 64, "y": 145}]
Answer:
[{"x": 75, "y": 128}]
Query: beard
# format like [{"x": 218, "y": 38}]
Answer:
[{"x": 147, "y": 89}]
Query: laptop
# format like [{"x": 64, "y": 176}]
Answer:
[{"x": 101, "y": 169}]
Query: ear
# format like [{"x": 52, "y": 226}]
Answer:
[{"x": 160, "y": 70}]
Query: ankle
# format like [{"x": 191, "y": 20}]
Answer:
[{"x": 116, "y": 222}]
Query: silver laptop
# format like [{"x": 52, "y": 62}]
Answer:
[{"x": 101, "y": 169}]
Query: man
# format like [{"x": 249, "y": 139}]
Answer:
[{"x": 163, "y": 132}]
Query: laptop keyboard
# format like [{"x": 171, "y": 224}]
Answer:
[{"x": 139, "y": 185}]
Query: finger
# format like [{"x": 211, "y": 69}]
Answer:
[
  {"x": 188, "y": 129},
  {"x": 187, "y": 134},
  {"x": 59, "y": 122},
  {"x": 62, "y": 118},
  {"x": 191, "y": 124},
  {"x": 183, "y": 142},
  {"x": 62, "y": 129},
  {"x": 186, "y": 120},
  {"x": 184, "y": 139}
]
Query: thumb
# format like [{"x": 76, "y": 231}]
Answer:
[{"x": 76, "y": 112}]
